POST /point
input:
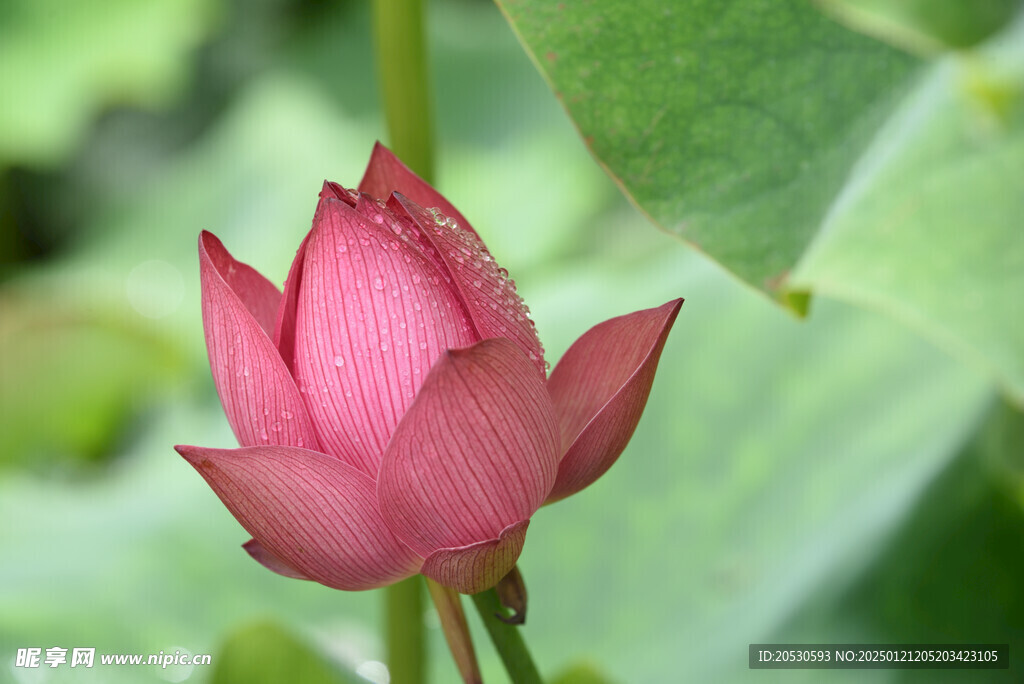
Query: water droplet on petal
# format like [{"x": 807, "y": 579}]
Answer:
[{"x": 339, "y": 361}]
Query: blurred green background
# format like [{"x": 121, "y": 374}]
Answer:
[{"x": 834, "y": 479}]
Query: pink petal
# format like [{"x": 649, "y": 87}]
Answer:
[
  {"x": 271, "y": 562},
  {"x": 476, "y": 452},
  {"x": 477, "y": 567},
  {"x": 599, "y": 390},
  {"x": 488, "y": 293},
  {"x": 259, "y": 396},
  {"x": 373, "y": 314},
  {"x": 284, "y": 325},
  {"x": 386, "y": 174},
  {"x": 312, "y": 512},
  {"x": 257, "y": 294}
]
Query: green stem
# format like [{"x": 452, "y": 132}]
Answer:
[
  {"x": 406, "y": 654},
  {"x": 402, "y": 68},
  {"x": 507, "y": 639},
  {"x": 401, "y": 64}
]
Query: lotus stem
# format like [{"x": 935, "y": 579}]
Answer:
[
  {"x": 506, "y": 638},
  {"x": 400, "y": 43}
]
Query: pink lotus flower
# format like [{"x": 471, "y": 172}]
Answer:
[{"x": 393, "y": 406}]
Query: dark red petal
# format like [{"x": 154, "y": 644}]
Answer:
[
  {"x": 475, "y": 453},
  {"x": 600, "y": 388},
  {"x": 258, "y": 393},
  {"x": 314, "y": 513}
]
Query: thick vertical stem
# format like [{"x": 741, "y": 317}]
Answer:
[
  {"x": 507, "y": 639},
  {"x": 402, "y": 67},
  {"x": 400, "y": 47},
  {"x": 403, "y": 632}
]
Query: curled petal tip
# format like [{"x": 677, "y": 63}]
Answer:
[
  {"x": 188, "y": 452},
  {"x": 512, "y": 594},
  {"x": 261, "y": 555},
  {"x": 477, "y": 567}
]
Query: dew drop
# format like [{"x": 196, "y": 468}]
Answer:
[
  {"x": 276, "y": 427},
  {"x": 378, "y": 283},
  {"x": 383, "y": 346},
  {"x": 339, "y": 361}
]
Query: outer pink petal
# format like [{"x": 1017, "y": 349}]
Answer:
[
  {"x": 259, "y": 396},
  {"x": 386, "y": 174},
  {"x": 373, "y": 314},
  {"x": 271, "y": 562},
  {"x": 599, "y": 390},
  {"x": 476, "y": 452},
  {"x": 477, "y": 567},
  {"x": 257, "y": 294},
  {"x": 312, "y": 512},
  {"x": 488, "y": 293}
]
